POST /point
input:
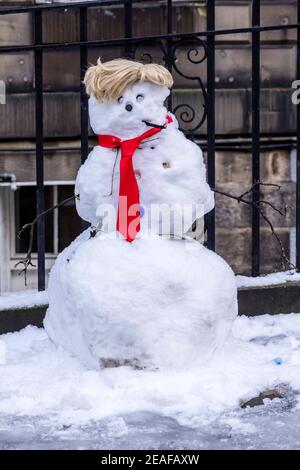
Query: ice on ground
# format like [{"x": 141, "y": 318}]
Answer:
[
  {"x": 38, "y": 379},
  {"x": 275, "y": 426}
]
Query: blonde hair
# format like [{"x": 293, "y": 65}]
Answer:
[{"x": 107, "y": 81}]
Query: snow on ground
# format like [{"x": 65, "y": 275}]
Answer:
[
  {"x": 268, "y": 279},
  {"x": 23, "y": 298},
  {"x": 49, "y": 400}
]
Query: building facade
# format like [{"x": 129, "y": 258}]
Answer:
[{"x": 233, "y": 121}]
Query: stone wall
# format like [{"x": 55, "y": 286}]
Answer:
[{"x": 233, "y": 219}]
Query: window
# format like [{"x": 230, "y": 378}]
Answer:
[{"x": 61, "y": 226}]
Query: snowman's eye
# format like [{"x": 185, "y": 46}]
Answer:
[
  {"x": 120, "y": 100},
  {"x": 140, "y": 98}
]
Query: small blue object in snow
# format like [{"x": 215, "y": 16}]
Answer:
[
  {"x": 278, "y": 360},
  {"x": 142, "y": 212}
]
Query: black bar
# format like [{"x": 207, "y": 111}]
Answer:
[
  {"x": 134, "y": 40},
  {"x": 210, "y": 107},
  {"x": 128, "y": 26},
  {"x": 39, "y": 129},
  {"x": 298, "y": 153},
  {"x": 255, "y": 137},
  {"x": 169, "y": 58},
  {"x": 84, "y": 122},
  {"x": 58, "y": 6},
  {"x": 84, "y": 112},
  {"x": 223, "y": 144}
]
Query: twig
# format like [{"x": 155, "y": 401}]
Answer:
[
  {"x": 282, "y": 212},
  {"x": 285, "y": 262},
  {"x": 27, "y": 261},
  {"x": 256, "y": 186}
]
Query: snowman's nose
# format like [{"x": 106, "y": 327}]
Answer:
[{"x": 129, "y": 107}]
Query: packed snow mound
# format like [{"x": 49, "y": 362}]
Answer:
[
  {"x": 161, "y": 303},
  {"x": 169, "y": 168}
]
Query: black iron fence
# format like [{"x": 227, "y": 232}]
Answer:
[{"x": 199, "y": 47}]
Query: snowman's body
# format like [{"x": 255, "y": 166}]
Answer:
[
  {"x": 154, "y": 302},
  {"x": 151, "y": 303}
]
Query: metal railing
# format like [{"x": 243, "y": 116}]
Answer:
[{"x": 169, "y": 43}]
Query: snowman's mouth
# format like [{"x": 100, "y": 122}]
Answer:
[{"x": 151, "y": 124}]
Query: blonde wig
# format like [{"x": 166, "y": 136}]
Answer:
[{"x": 107, "y": 81}]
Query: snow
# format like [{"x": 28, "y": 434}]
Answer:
[
  {"x": 140, "y": 335},
  {"x": 25, "y": 298},
  {"x": 154, "y": 302},
  {"x": 268, "y": 279},
  {"x": 48, "y": 399},
  {"x": 162, "y": 301},
  {"x": 171, "y": 168},
  {"x": 32, "y": 298}
]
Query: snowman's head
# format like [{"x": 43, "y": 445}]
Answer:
[{"x": 125, "y": 95}]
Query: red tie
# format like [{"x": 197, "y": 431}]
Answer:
[{"x": 128, "y": 221}]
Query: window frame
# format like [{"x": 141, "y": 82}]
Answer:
[{"x": 14, "y": 255}]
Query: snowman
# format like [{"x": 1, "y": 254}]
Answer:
[{"x": 134, "y": 290}]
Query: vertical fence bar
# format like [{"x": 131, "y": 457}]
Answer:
[
  {"x": 39, "y": 130},
  {"x": 83, "y": 96},
  {"x": 210, "y": 106},
  {"x": 84, "y": 113},
  {"x": 255, "y": 136},
  {"x": 298, "y": 151},
  {"x": 169, "y": 59},
  {"x": 128, "y": 25}
]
